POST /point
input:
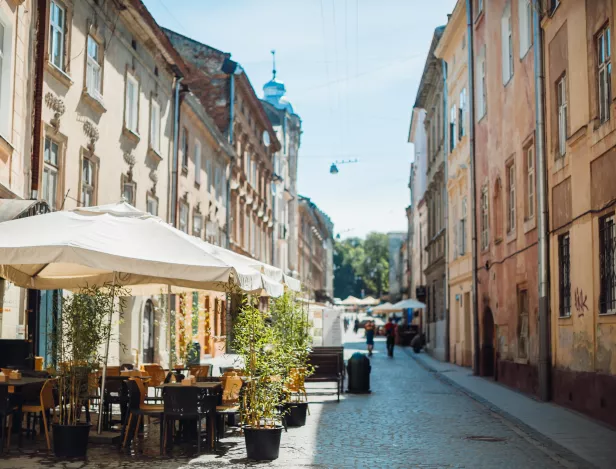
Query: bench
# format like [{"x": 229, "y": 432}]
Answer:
[
  {"x": 328, "y": 368},
  {"x": 331, "y": 350}
]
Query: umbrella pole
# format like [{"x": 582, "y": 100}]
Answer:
[
  {"x": 104, "y": 377},
  {"x": 169, "y": 325}
]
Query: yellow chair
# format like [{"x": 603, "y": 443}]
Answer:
[
  {"x": 296, "y": 383},
  {"x": 47, "y": 403},
  {"x": 230, "y": 395}
]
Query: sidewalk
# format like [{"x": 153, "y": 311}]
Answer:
[{"x": 593, "y": 442}]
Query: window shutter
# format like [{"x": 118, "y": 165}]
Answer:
[
  {"x": 197, "y": 162},
  {"x": 505, "y": 47},
  {"x": 523, "y": 26}
]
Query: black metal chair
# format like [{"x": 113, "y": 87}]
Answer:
[
  {"x": 182, "y": 404},
  {"x": 8, "y": 411},
  {"x": 113, "y": 396},
  {"x": 137, "y": 408}
]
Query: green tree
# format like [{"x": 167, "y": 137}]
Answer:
[{"x": 361, "y": 265}]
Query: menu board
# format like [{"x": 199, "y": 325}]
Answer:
[{"x": 332, "y": 328}]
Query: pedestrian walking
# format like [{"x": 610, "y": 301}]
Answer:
[
  {"x": 369, "y": 328},
  {"x": 390, "y": 333},
  {"x": 356, "y": 326}
]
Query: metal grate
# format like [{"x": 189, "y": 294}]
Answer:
[
  {"x": 607, "y": 259},
  {"x": 564, "y": 276}
]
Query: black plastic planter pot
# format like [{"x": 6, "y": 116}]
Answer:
[
  {"x": 262, "y": 444},
  {"x": 295, "y": 413},
  {"x": 70, "y": 441}
]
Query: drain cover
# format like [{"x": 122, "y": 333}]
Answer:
[{"x": 490, "y": 439}]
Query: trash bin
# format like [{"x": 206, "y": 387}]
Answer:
[{"x": 358, "y": 368}]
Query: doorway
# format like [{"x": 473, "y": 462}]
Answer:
[
  {"x": 487, "y": 346},
  {"x": 468, "y": 346},
  {"x": 148, "y": 333}
]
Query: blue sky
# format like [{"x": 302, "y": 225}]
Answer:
[{"x": 351, "y": 68}]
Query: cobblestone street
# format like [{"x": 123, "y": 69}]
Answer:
[{"x": 411, "y": 420}]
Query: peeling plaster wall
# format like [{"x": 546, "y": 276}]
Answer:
[{"x": 580, "y": 190}]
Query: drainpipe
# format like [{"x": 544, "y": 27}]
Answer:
[
  {"x": 446, "y": 210},
  {"x": 232, "y": 163},
  {"x": 39, "y": 68},
  {"x": 544, "y": 279},
  {"x": 176, "y": 143},
  {"x": 471, "y": 135}
]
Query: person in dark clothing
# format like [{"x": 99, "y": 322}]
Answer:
[
  {"x": 370, "y": 330},
  {"x": 390, "y": 333},
  {"x": 356, "y": 326}
]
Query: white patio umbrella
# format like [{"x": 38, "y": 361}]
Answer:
[
  {"x": 408, "y": 304},
  {"x": 114, "y": 245},
  {"x": 350, "y": 301}
]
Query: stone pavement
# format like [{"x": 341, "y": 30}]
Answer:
[
  {"x": 412, "y": 419},
  {"x": 553, "y": 425}
]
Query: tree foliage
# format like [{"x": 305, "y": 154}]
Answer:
[{"x": 361, "y": 265}]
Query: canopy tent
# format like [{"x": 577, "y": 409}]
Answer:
[
  {"x": 369, "y": 301},
  {"x": 408, "y": 304},
  {"x": 114, "y": 244},
  {"x": 384, "y": 309},
  {"x": 350, "y": 301}
]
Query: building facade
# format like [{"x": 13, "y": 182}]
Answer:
[
  {"x": 430, "y": 98},
  {"x": 229, "y": 98},
  {"x": 397, "y": 268},
  {"x": 581, "y": 161},
  {"x": 452, "y": 48},
  {"x": 505, "y": 193},
  {"x": 288, "y": 128},
  {"x": 16, "y": 96},
  {"x": 316, "y": 252},
  {"x": 416, "y": 213}
]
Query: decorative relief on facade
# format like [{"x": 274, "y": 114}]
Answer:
[
  {"x": 57, "y": 106},
  {"x": 154, "y": 178},
  {"x": 91, "y": 131},
  {"x": 130, "y": 160}
]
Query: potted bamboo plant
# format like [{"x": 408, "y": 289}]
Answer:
[
  {"x": 257, "y": 342},
  {"x": 79, "y": 337},
  {"x": 292, "y": 324}
]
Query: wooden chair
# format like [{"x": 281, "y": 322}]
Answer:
[
  {"x": 200, "y": 371},
  {"x": 139, "y": 409},
  {"x": 156, "y": 373},
  {"x": 113, "y": 371},
  {"x": 47, "y": 403},
  {"x": 230, "y": 402},
  {"x": 296, "y": 383}
]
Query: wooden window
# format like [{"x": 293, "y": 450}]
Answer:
[
  {"x": 511, "y": 206},
  {"x": 129, "y": 189},
  {"x": 523, "y": 324},
  {"x": 152, "y": 204},
  {"x": 604, "y": 73},
  {"x": 564, "y": 276},
  {"x": 197, "y": 225},
  {"x": 506, "y": 45},
  {"x": 561, "y": 101},
  {"x": 530, "y": 182},
  {"x": 461, "y": 112},
  {"x": 607, "y": 263},
  {"x": 155, "y": 125},
  {"x": 131, "y": 110},
  {"x": 197, "y": 162},
  {"x": 88, "y": 182},
  {"x": 183, "y": 217},
  {"x": 485, "y": 224},
  {"x": 462, "y": 230},
  {"x": 57, "y": 34},
  {"x": 94, "y": 75},
  {"x": 51, "y": 173},
  {"x": 525, "y": 25},
  {"x": 185, "y": 144},
  {"x": 452, "y": 129}
]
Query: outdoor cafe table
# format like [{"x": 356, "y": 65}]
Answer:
[
  {"x": 211, "y": 395},
  {"x": 15, "y": 386}
]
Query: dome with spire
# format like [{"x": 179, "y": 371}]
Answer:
[{"x": 274, "y": 91}]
